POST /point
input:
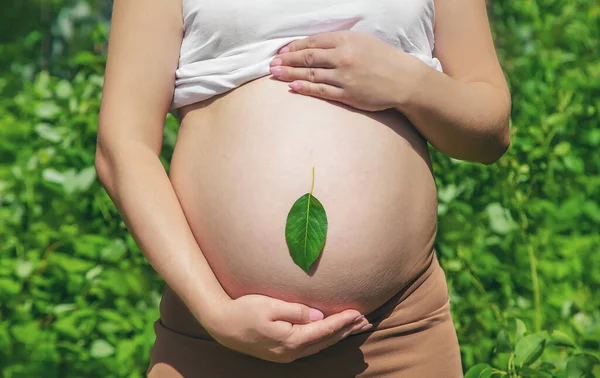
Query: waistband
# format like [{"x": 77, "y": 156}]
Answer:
[{"x": 426, "y": 294}]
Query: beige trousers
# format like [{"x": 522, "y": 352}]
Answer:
[{"x": 413, "y": 336}]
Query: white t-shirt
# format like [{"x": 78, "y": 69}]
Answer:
[{"x": 227, "y": 43}]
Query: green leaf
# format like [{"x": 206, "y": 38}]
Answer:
[
  {"x": 63, "y": 307},
  {"x": 562, "y": 339},
  {"x": 74, "y": 181},
  {"x": 26, "y": 333},
  {"x": 503, "y": 342},
  {"x": 592, "y": 210},
  {"x": 67, "y": 327},
  {"x": 52, "y": 175},
  {"x": 64, "y": 89},
  {"x": 101, "y": 348},
  {"x": 520, "y": 329},
  {"x": 113, "y": 251},
  {"x": 70, "y": 263},
  {"x": 529, "y": 349},
  {"x": 70, "y": 184},
  {"x": 306, "y": 229},
  {"x": 47, "y": 132},
  {"x": 42, "y": 83},
  {"x": 47, "y": 110},
  {"x": 85, "y": 178},
  {"x": 501, "y": 221},
  {"x": 546, "y": 366},
  {"x": 574, "y": 163},
  {"x": 529, "y": 372},
  {"x": 479, "y": 371},
  {"x": 94, "y": 272},
  {"x": 562, "y": 148},
  {"x": 9, "y": 286},
  {"x": 5, "y": 339},
  {"x": 593, "y": 137},
  {"x": 24, "y": 268},
  {"x": 126, "y": 350},
  {"x": 581, "y": 364}
]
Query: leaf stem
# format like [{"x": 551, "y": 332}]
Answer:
[
  {"x": 536, "y": 289},
  {"x": 511, "y": 364},
  {"x": 313, "y": 180}
]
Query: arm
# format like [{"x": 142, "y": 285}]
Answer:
[
  {"x": 143, "y": 55},
  {"x": 465, "y": 111}
]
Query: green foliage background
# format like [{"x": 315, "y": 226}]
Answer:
[{"x": 519, "y": 240}]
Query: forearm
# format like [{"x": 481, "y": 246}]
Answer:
[
  {"x": 464, "y": 120},
  {"x": 136, "y": 181}
]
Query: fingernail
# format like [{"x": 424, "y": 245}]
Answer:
[
  {"x": 368, "y": 326},
  {"x": 275, "y": 62},
  {"x": 276, "y": 71},
  {"x": 295, "y": 85},
  {"x": 284, "y": 50},
  {"x": 358, "y": 319},
  {"x": 315, "y": 314}
]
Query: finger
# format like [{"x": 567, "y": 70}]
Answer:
[
  {"x": 321, "y": 90},
  {"x": 306, "y": 334},
  {"x": 315, "y": 75},
  {"x": 315, "y": 347},
  {"x": 306, "y": 58},
  {"x": 367, "y": 326},
  {"x": 295, "y": 313},
  {"x": 320, "y": 41}
]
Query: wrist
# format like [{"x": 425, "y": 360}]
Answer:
[
  {"x": 204, "y": 297},
  {"x": 208, "y": 307},
  {"x": 407, "y": 93},
  {"x": 214, "y": 315}
]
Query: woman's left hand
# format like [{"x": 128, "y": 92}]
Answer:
[{"x": 357, "y": 69}]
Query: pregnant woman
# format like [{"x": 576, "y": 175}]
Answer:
[{"x": 267, "y": 91}]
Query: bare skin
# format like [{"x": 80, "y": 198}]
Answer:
[
  {"x": 139, "y": 82},
  {"x": 143, "y": 55}
]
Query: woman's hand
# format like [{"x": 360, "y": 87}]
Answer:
[
  {"x": 354, "y": 68},
  {"x": 278, "y": 331}
]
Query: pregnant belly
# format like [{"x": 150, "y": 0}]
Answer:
[{"x": 242, "y": 159}]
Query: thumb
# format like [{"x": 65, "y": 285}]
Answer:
[{"x": 296, "y": 313}]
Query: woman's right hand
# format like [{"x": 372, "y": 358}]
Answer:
[{"x": 278, "y": 331}]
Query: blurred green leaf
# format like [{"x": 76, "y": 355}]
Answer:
[
  {"x": 46, "y": 131},
  {"x": 520, "y": 329},
  {"x": 529, "y": 348},
  {"x": 101, "y": 349},
  {"x": 562, "y": 339},
  {"x": 581, "y": 364},
  {"x": 500, "y": 219},
  {"x": 47, "y": 110},
  {"x": 480, "y": 371},
  {"x": 24, "y": 268}
]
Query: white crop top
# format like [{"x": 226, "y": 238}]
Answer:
[{"x": 228, "y": 43}]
